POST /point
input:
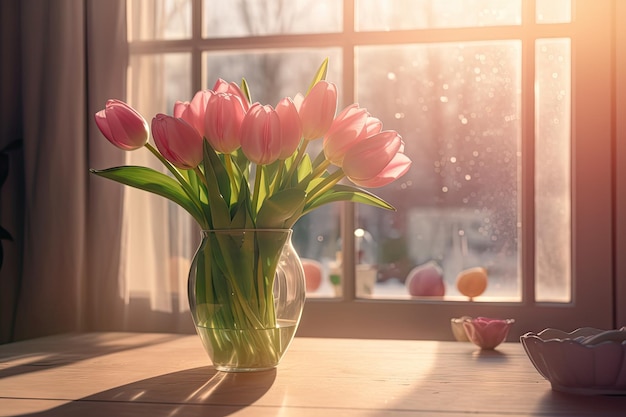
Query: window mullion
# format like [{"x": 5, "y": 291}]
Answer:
[
  {"x": 348, "y": 209},
  {"x": 527, "y": 231},
  {"x": 196, "y": 52}
]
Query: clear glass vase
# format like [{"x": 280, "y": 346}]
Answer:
[{"x": 246, "y": 295}]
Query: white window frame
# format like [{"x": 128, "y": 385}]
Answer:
[{"x": 598, "y": 170}]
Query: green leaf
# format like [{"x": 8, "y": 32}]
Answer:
[
  {"x": 216, "y": 178},
  {"x": 195, "y": 183},
  {"x": 271, "y": 172},
  {"x": 242, "y": 163},
  {"x": 340, "y": 192},
  {"x": 237, "y": 167},
  {"x": 150, "y": 180},
  {"x": 305, "y": 168},
  {"x": 221, "y": 175},
  {"x": 240, "y": 212},
  {"x": 310, "y": 186},
  {"x": 245, "y": 89},
  {"x": 279, "y": 208},
  {"x": 319, "y": 75}
]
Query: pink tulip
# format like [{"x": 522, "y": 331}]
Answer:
[
  {"x": 377, "y": 160},
  {"x": 122, "y": 125},
  {"x": 487, "y": 333},
  {"x": 222, "y": 86},
  {"x": 193, "y": 112},
  {"x": 290, "y": 127},
  {"x": 180, "y": 108},
  {"x": 318, "y": 110},
  {"x": 351, "y": 126},
  {"x": 261, "y": 134},
  {"x": 222, "y": 121},
  {"x": 373, "y": 126},
  {"x": 297, "y": 101},
  {"x": 177, "y": 141}
]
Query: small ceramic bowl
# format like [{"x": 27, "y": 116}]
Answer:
[
  {"x": 586, "y": 361},
  {"x": 456, "y": 324},
  {"x": 487, "y": 333}
]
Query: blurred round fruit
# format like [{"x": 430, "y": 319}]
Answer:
[
  {"x": 312, "y": 274},
  {"x": 426, "y": 281},
  {"x": 472, "y": 282}
]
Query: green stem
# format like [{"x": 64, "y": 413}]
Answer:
[
  {"x": 200, "y": 175},
  {"x": 278, "y": 179},
  {"x": 257, "y": 188},
  {"x": 325, "y": 185},
  {"x": 296, "y": 162},
  {"x": 319, "y": 170},
  {"x": 228, "y": 163}
]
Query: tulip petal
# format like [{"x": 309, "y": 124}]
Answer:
[
  {"x": 122, "y": 125},
  {"x": 348, "y": 128},
  {"x": 397, "y": 167},
  {"x": 370, "y": 156},
  {"x": 261, "y": 134},
  {"x": 291, "y": 127},
  {"x": 222, "y": 122},
  {"x": 178, "y": 141},
  {"x": 376, "y": 161},
  {"x": 318, "y": 110}
]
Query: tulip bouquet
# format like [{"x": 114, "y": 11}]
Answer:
[{"x": 238, "y": 164}]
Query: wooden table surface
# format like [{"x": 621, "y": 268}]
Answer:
[{"x": 147, "y": 374}]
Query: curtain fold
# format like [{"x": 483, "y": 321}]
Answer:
[
  {"x": 82, "y": 260},
  {"x": 73, "y": 58},
  {"x": 107, "y": 62},
  {"x": 53, "y": 92},
  {"x": 11, "y": 164}
]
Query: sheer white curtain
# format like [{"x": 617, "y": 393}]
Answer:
[{"x": 159, "y": 238}]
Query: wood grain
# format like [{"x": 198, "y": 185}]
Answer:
[{"x": 137, "y": 374}]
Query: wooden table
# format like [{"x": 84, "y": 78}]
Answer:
[{"x": 135, "y": 374}]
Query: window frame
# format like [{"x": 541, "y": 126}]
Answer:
[
  {"x": 595, "y": 165},
  {"x": 620, "y": 164}
]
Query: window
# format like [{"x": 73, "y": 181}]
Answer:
[{"x": 505, "y": 107}]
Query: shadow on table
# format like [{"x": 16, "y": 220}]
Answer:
[
  {"x": 84, "y": 346},
  {"x": 192, "y": 392},
  {"x": 488, "y": 356},
  {"x": 574, "y": 405}
]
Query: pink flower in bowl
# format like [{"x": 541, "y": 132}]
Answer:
[{"x": 487, "y": 332}]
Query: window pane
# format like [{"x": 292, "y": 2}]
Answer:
[
  {"x": 270, "y": 17},
  {"x": 271, "y": 75},
  {"x": 159, "y": 19},
  {"x": 553, "y": 11},
  {"x": 155, "y": 82},
  {"x": 384, "y": 15},
  {"x": 552, "y": 171},
  {"x": 316, "y": 237},
  {"x": 458, "y": 109}
]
